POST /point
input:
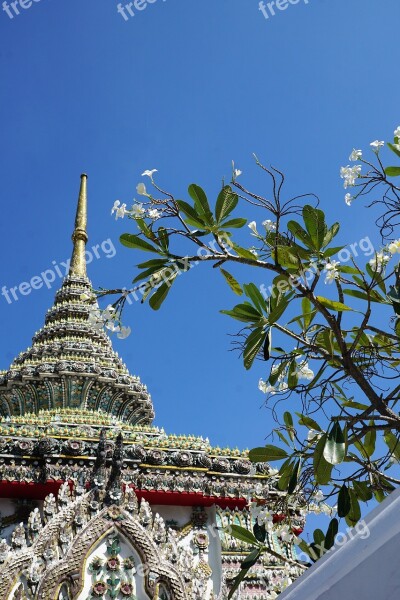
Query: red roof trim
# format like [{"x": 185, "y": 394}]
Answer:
[{"x": 38, "y": 491}]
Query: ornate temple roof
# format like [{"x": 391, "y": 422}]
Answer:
[{"x": 71, "y": 362}]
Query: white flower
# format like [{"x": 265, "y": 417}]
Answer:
[
  {"x": 109, "y": 313},
  {"x": 149, "y": 173},
  {"x": 141, "y": 189},
  {"x": 283, "y": 386},
  {"x": 397, "y": 132},
  {"x": 319, "y": 496},
  {"x": 348, "y": 199},
  {"x": 253, "y": 227},
  {"x": 350, "y": 175},
  {"x": 236, "y": 172},
  {"x": 311, "y": 435},
  {"x": 124, "y": 333},
  {"x": 119, "y": 210},
  {"x": 305, "y": 372},
  {"x": 394, "y": 247},
  {"x": 137, "y": 211},
  {"x": 355, "y": 155},
  {"x": 379, "y": 261},
  {"x": 264, "y": 387},
  {"x": 377, "y": 145},
  {"x": 111, "y": 326},
  {"x": 154, "y": 214},
  {"x": 269, "y": 225},
  {"x": 332, "y": 272}
]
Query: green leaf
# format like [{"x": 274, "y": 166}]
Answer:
[
  {"x": 242, "y": 534},
  {"x": 295, "y": 477},
  {"x": 251, "y": 559},
  {"x": 319, "y": 538},
  {"x": 282, "y": 302},
  {"x": 236, "y": 582},
  {"x": 308, "y": 422},
  {"x": 285, "y": 473},
  {"x": 134, "y": 241},
  {"x": 308, "y": 312},
  {"x": 231, "y": 281},
  {"x": 192, "y": 217},
  {"x": 394, "y": 149},
  {"x": 267, "y": 453},
  {"x": 392, "y": 171},
  {"x": 234, "y": 223},
  {"x": 362, "y": 490},
  {"x": 146, "y": 230},
  {"x": 201, "y": 203},
  {"x": 288, "y": 420},
  {"x": 332, "y": 232},
  {"x": 154, "y": 262},
  {"x": 160, "y": 294},
  {"x": 335, "y": 446},
  {"x": 370, "y": 441},
  {"x": 252, "y": 346},
  {"x": 252, "y": 292},
  {"x": 260, "y": 532},
  {"x": 304, "y": 547},
  {"x": 314, "y": 220},
  {"x": 293, "y": 378},
  {"x": 300, "y": 234},
  {"x": 243, "y": 253},
  {"x": 355, "y": 405},
  {"x": 354, "y": 514},
  {"x": 331, "y": 533},
  {"x": 286, "y": 258},
  {"x": 163, "y": 237},
  {"x": 332, "y": 304},
  {"x": 243, "y": 312},
  {"x": 374, "y": 296},
  {"x": 322, "y": 469},
  {"x": 344, "y": 502},
  {"x": 267, "y": 345},
  {"x": 226, "y": 202},
  {"x": 392, "y": 443}
]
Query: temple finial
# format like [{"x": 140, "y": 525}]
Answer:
[{"x": 80, "y": 237}]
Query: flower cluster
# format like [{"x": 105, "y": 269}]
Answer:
[
  {"x": 109, "y": 319},
  {"x": 268, "y": 225},
  {"x": 303, "y": 372},
  {"x": 332, "y": 272},
  {"x": 381, "y": 258},
  {"x": 138, "y": 211},
  {"x": 351, "y": 174}
]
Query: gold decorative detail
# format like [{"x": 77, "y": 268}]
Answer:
[{"x": 80, "y": 237}]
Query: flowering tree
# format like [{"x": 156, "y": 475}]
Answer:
[{"x": 328, "y": 333}]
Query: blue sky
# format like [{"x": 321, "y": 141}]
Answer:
[{"x": 184, "y": 87}]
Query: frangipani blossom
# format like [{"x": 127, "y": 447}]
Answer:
[
  {"x": 394, "y": 247},
  {"x": 154, "y": 214},
  {"x": 355, "y": 155},
  {"x": 119, "y": 210},
  {"x": 141, "y": 189},
  {"x": 269, "y": 225},
  {"x": 350, "y": 175},
  {"x": 377, "y": 145},
  {"x": 137, "y": 211},
  {"x": 348, "y": 199},
  {"x": 149, "y": 173},
  {"x": 124, "y": 333},
  {"x": 397, "y": 132},
  {"x": 253, "y": 227}
]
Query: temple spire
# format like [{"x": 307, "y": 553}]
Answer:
[{"x": 80, "y": 237}]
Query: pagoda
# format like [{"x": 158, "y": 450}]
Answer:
[{"x": 95, "y": 501}]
